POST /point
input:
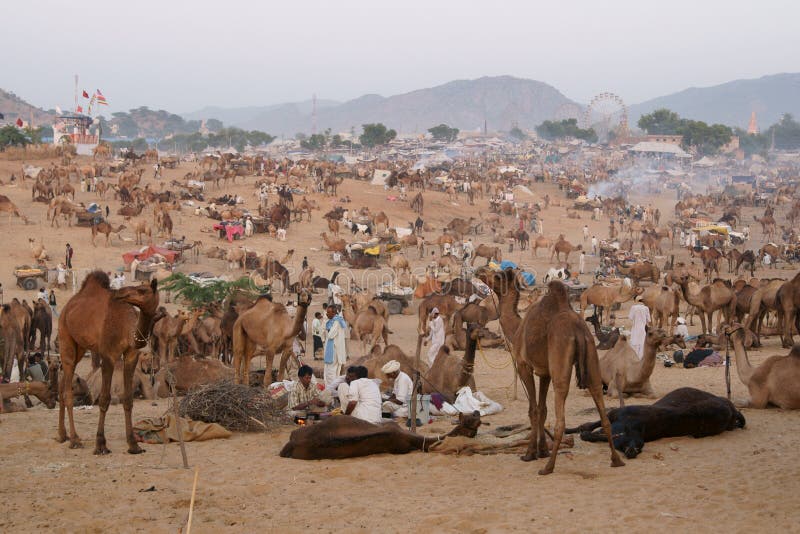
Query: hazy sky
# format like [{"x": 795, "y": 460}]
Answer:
[{"x": 184, "y": 55}]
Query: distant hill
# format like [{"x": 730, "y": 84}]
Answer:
[
  {"x": 13, "y": 107},
  {"x": 241, "y": 116},
  {"x": 732, "y": 103},
  {"x": 502, "y": 101}
]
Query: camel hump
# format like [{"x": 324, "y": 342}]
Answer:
[
  {"x": 99, "y": 278},
  {"x": 558, "y": 290}
]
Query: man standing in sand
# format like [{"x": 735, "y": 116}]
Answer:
[
  {"x": 335, "y": 345},
  {"x": 436, "y": 337},
  {"x": 69, "y": 256},
  {"x": 639, "y": 315}
]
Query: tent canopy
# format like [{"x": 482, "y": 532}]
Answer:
[{"x": 146, "y": 252}]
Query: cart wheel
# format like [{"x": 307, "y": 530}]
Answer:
[
  {"x": 29, "y": 284},
  {"x": 395, "y": 307}
]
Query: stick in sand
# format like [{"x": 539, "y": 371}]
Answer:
[{"x": 191, "y": 501}]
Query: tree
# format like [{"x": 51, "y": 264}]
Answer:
[
  {"x": 314, "y": 143},
  {"x": 752, "y": 143},
  {"x": 703, "y": 138},
  {"x": 11, "y": 136},
  {"x": 376, "y": 134},
  {"x": 199, "y": 295},
  {"x": 444, "y": 133},
  {"x": 517, "y": 133},
  {"x": 786, "y": 133},
  {"x": 565, "y": 128},
  {"x": 214, "y": 125},
  {"x": 661, "y": 121}
]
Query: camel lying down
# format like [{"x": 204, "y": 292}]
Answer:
[
  {"x": 683, "y": 412},
  {"x": 348, "y": 437}
]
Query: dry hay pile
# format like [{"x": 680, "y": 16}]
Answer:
[{"x": 237, "y": 407}]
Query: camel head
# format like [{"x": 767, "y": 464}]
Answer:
[
  {"x": 303, "y": 298},
  {"x": 144, "y": 297}
]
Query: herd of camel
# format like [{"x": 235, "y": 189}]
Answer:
[{"x": 547, "y": 341}]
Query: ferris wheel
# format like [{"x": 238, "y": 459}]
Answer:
[{"x": 606, "y": 113}]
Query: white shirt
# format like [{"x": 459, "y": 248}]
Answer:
[
  {"x": 403, "y": 386},
  {"x": 682, "y": 330},
  {"x": 368, "y": 400},
  {"x": 316, "y": 328}
]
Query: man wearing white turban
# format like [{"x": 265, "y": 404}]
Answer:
[{"x": 397, "y": 404}]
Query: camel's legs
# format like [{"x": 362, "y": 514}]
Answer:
[
  {"x": 130, "y": 360},
  {"x": 561, "y": 391},
  {"x": 528, "y": 381},
  {"x": 786, "y": 335},
  {"x": 596, "y": 391},
  {"x": 107, "y": 370},
  {"x": 541, "y": 416},
  {"x": 69, "y": 360}
]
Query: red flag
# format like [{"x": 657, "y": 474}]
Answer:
[
  {"x": 85, "y": 94},
  {"x": 19, "y": 122},
  {"x": 80, "y": 109}
]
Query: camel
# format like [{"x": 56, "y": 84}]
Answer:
[
  {"x": 540, "y": 242},
  {"x": 605, "y": 340},
  {"x": 763, "y": 300},
  {"x": 107, "y": 229},
  {"x": 548, "y": 343},
  {"x": 682, "y": 412},
  {"x": 185, "y": 373},
  {"x": 269, "y": 326},
  {"x": 41, "y": 322},
  {"x": 38, "y": 251},
  {"x": 563, "y": 246},
  {"x": 334, "y": 245},
  {"x": 367, "y": 325},
  {"x": 381, "y": 218},
  {"x": 623, "y": 372},
  {"x": 62, "y": 206},
  {"x": 399, "y": 263},
  {"x": 333, "y": 226},
  {"x": 640, "y": 271},
  {"x": 15, "y": 322},
  {"x": 45, "y": 392},
  {"x": 167, "y": 330},
  {"x": 236, "y": 256},
  {"x": 141, "y": 229},
  {"x": 775, "y": 382},
  {"x": 488, "y": 252},
  {"x": 9, "y": 207},
  {"x": 604, "y": 297},
  {"x": 141, "y": 384},
  {"x": 716, "y": 296},
  {"x": 130, "y": 210},
  {"x": 273, "y": 269},
  {"x": 449, "y": 373},
  {"x": 449, "y": 263},
  {"x": 106, "y": 322},
  {"x": 376, "y": 359},
  {"x": 788, "y": 301},
  {"x": 664, "y": 304},
  {"x": 417, "y": 203},
  {"x": 446, "y": 304}
]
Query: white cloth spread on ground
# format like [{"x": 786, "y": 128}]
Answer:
[
  {"x": 468, "y": 402},
  {"x": 368, "y": 400}
]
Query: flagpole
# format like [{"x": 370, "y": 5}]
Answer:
[{"x": 75, "y": 109}]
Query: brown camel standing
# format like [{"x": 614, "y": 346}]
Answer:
[
  {"x": 540, "y": 241},
  {"x": 716, "y": 296},
  {"x": 107, "y": 229},
  {"x": 446, "y": 304},
  {"x": 9, "y": 207},
  {"x": 368, "y": 325},
  {"x": 15, "y": 322},
  {"x": 765, "y": 299},
  {"x": 604, "y": 297},
  {"x": 167, "y": 330},
  {"x": 106, "y": 322},
  {"x": 488, "y": 252},
  {"x": 269, "y": 326},
  {"x": 664, "y": 303},
  {"x": 548, "y": 343},
  {"x": 788, "y": 301},
  {"x": 640, "y": 271},
  {"x": 563, "y": 246},
  {"x": 775, "y": 382}
]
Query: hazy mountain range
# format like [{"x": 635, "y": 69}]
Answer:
[{"x": 501, "y": 101}]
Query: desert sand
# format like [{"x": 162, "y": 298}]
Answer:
[{"x": 741, "y": 481}]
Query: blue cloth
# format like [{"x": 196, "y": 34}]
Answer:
[
  {"x": 329, "y": 349},
  {"x": 505, "y": 264}
]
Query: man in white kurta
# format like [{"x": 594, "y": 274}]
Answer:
[
  {"x": 335, "y": 345},
  {"x": 364, "y": 398},
  {"x": 639, "y": 315},
  {"x": 397, "y": 404},
  {"x": 436, "y": 337}
]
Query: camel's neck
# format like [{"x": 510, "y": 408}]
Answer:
[
  {"x": 348, "y": 313},
  {"x": 143, "y": 327},
  {"x": 468, "y": 363},
  {"x": 743, "y": 367},
  {"x": 688, "y": 294},
  {"x": 299, "y": 319},
  {"x": 648, "y": 362},
  {"x": 509, "y": 316}
]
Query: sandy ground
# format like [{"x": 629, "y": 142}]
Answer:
[{"x": 740, "y": 481}]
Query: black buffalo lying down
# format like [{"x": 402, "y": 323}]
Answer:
[
  {"x": 683, "y": 412},
  {"x": 344, "y": 436}
]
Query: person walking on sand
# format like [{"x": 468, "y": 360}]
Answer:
[{"x": 68, "y": 255}]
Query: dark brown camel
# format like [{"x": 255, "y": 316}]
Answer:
[{"x": 106, "y": 322}]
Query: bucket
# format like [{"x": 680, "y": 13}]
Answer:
[{"x": 423, "y": 409}]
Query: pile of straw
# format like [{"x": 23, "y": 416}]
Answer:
[{"x": 237, "y": 407}]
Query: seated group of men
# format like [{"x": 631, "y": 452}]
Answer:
[{"x": 358, "y": 395}]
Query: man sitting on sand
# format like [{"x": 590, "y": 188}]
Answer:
[
  {"x": 305, "y": 397},
  {"x": 397, "y": 404},
  {"x": 363, "y": 397}
]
